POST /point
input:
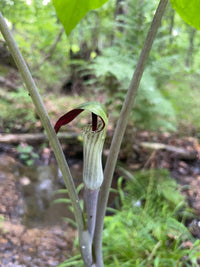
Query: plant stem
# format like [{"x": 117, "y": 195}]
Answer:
[
  {"x": 90, "y": 201},
  {"x": 120, "y": 130},
  {"x": 40, "y": 108}
]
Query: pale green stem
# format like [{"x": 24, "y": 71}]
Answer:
[
  {"x": 120, "y": 129},
  {"x": 55, "y": 144},
  {"x": 90, "y": 200}
]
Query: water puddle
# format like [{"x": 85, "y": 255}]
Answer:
[
  {"x": 33, "y": 192},
  {"x": 31, "y": 228}
]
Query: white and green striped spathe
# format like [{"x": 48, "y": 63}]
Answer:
[{"x": 93, "y": 142}]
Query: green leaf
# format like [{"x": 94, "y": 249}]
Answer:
[
  {"x": 60, "y": 191},
  {"x": 62, "y": 200},
  {"x": 189, "y": 11},
  {"x": 70, "y": 12}
]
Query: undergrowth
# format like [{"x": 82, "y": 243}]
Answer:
[
  {"x": 148, "y": 228},
  {"x": 152, "y": 110},
  {"x": 16, "y": 111}
]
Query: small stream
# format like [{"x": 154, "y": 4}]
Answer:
[
  {"x": 32, "y": 230},
  {"x": 36, "y": 188}
]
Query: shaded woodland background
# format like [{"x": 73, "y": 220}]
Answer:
[
  {"x": 153, "y": 219},
  {"x": 97, "y": 60}
]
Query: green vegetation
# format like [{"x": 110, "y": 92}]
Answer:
[
  {"x": 188, "y": 12},
  {"x": 148, "y": 227},
  {"x": 101, "y": 55},
  {"x": 72, "y": 15},
  {"x": 27, "y": 154},
  {"x": 93, "y": 63},
  {"x": 17, "y": 111}
]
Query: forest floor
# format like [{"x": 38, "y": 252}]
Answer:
[
  {"x": 39, "y": 243},
  {"x": 32, "y": 232}
]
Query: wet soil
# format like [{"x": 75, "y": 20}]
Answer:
[
  {"x": 48, "y": 246},
  {"x": 35, "y": 241}
]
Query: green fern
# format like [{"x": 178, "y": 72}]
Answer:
[{"x": 151, "y": 233}]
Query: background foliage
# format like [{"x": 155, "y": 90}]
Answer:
[
  {"x": 96, "y": 62},
  {"x": 101, "y": 53}
]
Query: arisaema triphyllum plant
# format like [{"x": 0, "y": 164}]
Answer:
[
  {"x": 96, "y": 194},
  {"x": 93, "y": 140}
]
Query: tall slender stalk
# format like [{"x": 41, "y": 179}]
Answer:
[
  {"x": 55, "y": 144},
  {"x": 120, "y": 130}
]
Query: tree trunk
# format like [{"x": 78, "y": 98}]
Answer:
[
  {"x": 189, "y": 58},
  {"x": 171, "y": 25}
]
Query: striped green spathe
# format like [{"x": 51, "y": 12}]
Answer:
[{"x": 92, "y": 157}]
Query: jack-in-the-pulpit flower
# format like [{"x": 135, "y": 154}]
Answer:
[
  {"x": 93, "y": 142},
  {"x": 97, "y": 109}
]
